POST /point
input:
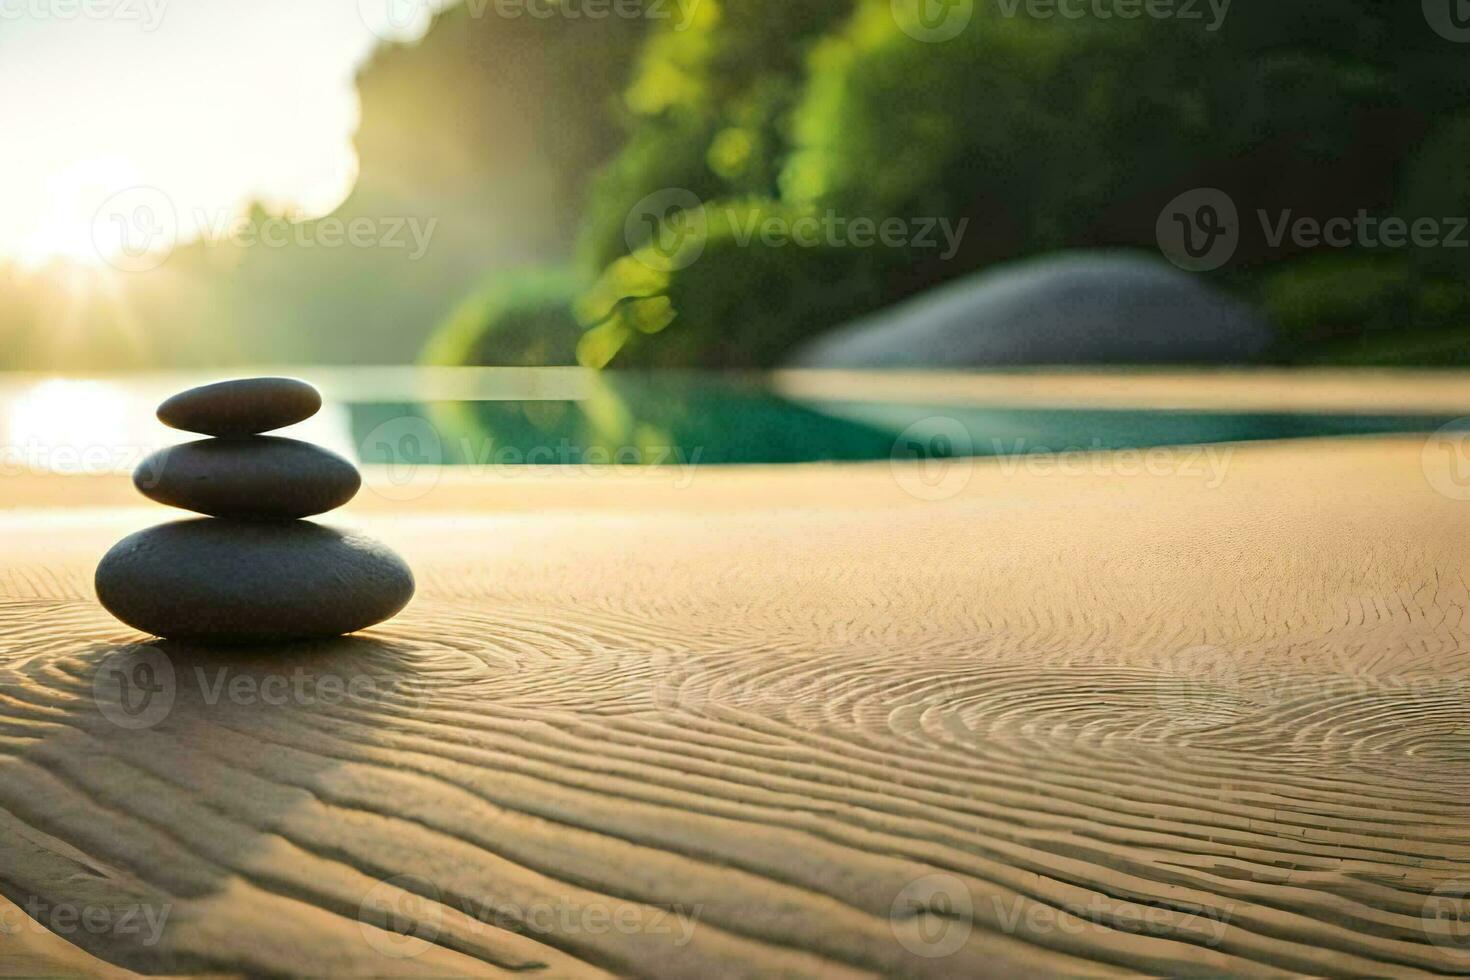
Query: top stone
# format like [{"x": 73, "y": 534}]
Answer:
[{"x": 242, "y": 407}]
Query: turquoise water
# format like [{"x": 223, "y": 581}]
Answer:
[{"x": 650, "y": 421}]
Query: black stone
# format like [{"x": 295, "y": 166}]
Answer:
[
  {"x": 241, "y": 407},
  {"x": 251, "y": 581},
  {"x": 250, "y": 476},
  {"x": 1077, "y": 307}
]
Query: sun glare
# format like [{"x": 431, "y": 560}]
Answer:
[
  {"x": 119, "y": 153},
  {"x": 65, "y": 205},
  {"x": 67, "y": 426}
]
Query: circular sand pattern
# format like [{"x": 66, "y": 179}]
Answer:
[
  {"x": 742, "y": 728},
  {"x": 1200, "y": 687}
]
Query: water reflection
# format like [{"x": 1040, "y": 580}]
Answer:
[
  {"x": 512, "y": 417},
  {"x": 94, "y": 427},
  {"x": 641, "y": 420}
]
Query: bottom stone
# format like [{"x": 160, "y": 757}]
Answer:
[{"x": 251, "y": 581}]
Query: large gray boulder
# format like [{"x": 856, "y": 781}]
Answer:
[{"x": 1079, "y": 307}]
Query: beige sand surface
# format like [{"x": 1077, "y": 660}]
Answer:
[{"x": 1080, "y": 717}]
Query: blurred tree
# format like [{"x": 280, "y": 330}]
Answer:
[
  {"x": 482, "y": 134},
  {"x": 748, "y": 280},
  {"x": 1042, "y": 133},
  {"x": 706, "y": 109},
  {"x": 1039, "y": 133},
  {"x": 520, "y": 318}
]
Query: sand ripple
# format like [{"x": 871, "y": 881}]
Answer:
[{"x": 1122, "y": 739}]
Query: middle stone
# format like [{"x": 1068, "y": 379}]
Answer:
[{"x": 249, "y": 476}]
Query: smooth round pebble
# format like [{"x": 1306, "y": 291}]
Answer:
[
  {"x": 252, "y": 476},
  {"x": 241, "y": 407},
  {"x": 229, "y": 581}
]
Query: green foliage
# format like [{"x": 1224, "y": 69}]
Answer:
[
  {"x": 707, "y": 109},
  {"x": 1366, "y": 307},
  {"x": 1055, "y": 132},
  {"x": 1437, "y": 185},
  {"x": 891, "y": 126},
  {"x": 747, "y": 280},
  {"x": 1318, "y": 299},
  {"x": 521, "y": 319},
  {"x": 1040, "y": 134}
]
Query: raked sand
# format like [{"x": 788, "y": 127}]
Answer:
[{"x": 991, "y": 719}]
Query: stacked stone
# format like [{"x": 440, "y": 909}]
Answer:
[{"x": 253, "y": 570}]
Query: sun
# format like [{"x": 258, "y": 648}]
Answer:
[
  {"x": 65, "y": 426},
  {"x": 59, "y": 243},
  {"x": 66, "y": 224}
]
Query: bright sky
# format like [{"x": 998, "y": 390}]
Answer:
[{"x": 214, "y": 103}]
